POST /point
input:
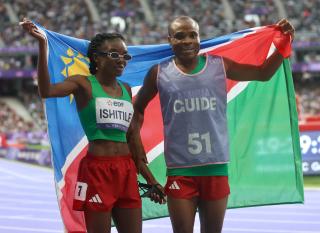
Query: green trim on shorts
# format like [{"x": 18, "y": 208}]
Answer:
[{"x": 207, "y": 170}]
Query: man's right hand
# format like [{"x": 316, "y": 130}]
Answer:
[
  {"x": 158, "y": 195},
  {"x": 155, "y": 192}
]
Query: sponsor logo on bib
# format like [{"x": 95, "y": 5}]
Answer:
[{"x": 113, "y": 113}]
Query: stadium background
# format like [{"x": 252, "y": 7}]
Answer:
[
  {"x": 22, "y": 124},
  {"x": 23, "y": 127}
]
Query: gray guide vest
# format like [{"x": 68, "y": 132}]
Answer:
[{"x": 194, "y": 114}]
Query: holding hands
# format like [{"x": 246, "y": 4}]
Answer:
[{"x": 154, "y": 192}]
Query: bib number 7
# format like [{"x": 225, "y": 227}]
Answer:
[
  {"x": 199, "y": 142},
  {"x": 81, "y": 191}
]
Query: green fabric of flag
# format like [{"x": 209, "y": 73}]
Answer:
[{"x": 265, "y": 159}]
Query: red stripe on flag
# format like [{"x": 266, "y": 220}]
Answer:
[
  {"x": 72, "y": 219},
  {"x": 231, "y": 84},
  {"x": 152, "y": 130},
  {"x": 258, "y": 43}
]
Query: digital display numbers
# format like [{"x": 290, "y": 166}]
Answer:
[
  {"x": 310, "y": 151},
  {"x": 310, "y": 143}
]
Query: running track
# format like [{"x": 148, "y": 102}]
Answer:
[{"x": 28, "y": 204}]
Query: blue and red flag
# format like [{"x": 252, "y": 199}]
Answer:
[{"x": 262, "y": 121}]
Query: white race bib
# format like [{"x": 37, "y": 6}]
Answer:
[{"x": 113, "y": 113}]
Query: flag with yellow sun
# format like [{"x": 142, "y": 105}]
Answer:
[
  {"x": 262, "y": 122},
  {"x": 75, "y": 63}
]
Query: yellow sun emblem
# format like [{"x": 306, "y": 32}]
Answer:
[{"x": 75, "y": 64}]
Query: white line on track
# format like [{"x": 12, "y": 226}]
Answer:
[
  {"x": 255, "y": 220},
  {"x": 6, "y": 178},
  {"x": 312, "y": 202},
  {"x": 24, "y": 229},
  {"x": 229, "y": 229},
  {"x": 15, "y": 186},
  {"x": 23, "y": 176},
  {"x": 264, "y": 212},
  {"x": 29, "y": 209},
  {"x": 266, "y": 231},
  {"x": 290, "y": 207},
  {"x": 23, "y": 194},
  {"x": 6, "y": 201},
  {"x": 29, "y": 218}
]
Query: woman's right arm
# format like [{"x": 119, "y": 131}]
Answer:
[{"x": 46, "y": 89}]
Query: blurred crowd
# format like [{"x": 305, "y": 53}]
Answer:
[
  {"x": 145, "y": 22},
  {"x": 305, "y": 15},
  {"x": 11, "y": 122},
  {"x": 34, "y": 105},
  {"x": 308, "y": 97},
  {"x": 17, "y": 129}
]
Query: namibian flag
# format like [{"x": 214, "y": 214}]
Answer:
[{"x": 265, "y": 166}]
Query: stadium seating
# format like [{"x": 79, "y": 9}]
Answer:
[{"x": 145, "y": 22}]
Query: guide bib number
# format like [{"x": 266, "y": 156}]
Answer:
[{"x": 198, "y": 142}]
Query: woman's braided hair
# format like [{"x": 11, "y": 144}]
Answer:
[{"x": 94, "y": 45}]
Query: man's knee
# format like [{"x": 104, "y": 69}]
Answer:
[
  {"x": 182, "y": 225},
  {"x": 182, "y": 229}
]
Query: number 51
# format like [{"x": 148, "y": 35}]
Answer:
[{"x": 197, "y": 141}]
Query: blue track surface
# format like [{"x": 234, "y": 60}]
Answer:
[{"x": 28, "y": 204}]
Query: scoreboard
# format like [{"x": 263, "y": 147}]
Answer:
[{"x": 310, "y": 151}]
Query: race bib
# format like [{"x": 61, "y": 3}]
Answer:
[{"x": 113, "y": 113}]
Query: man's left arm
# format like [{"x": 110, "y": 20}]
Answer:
[{"x": 243, "y": 72}]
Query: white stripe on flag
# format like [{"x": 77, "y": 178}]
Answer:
[
  {"x": 135, "y": 90},
  {"x": 71, "y": 156},
  {"x": 157, "y": 150},
  {"x": 239, "y": 87},
  {"x": 236, "y": 90}
]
